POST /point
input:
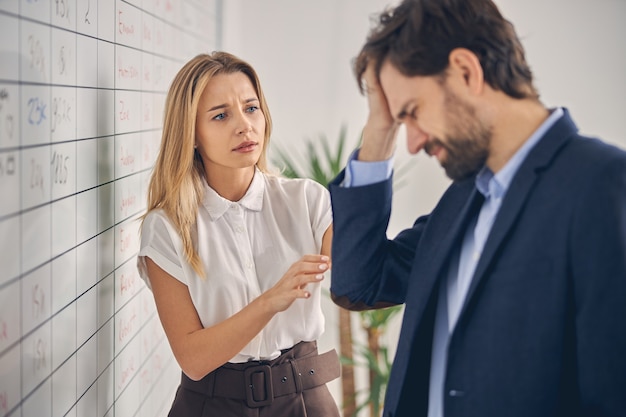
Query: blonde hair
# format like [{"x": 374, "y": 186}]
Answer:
[{"x": 176, "y": 184}]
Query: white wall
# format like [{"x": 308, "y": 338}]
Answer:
[{"x": 303, "y": 52}]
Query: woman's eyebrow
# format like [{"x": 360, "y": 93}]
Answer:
[{"x": 219, "y": 106}]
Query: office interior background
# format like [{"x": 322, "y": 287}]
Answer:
[{"x": 88, "y": 341}]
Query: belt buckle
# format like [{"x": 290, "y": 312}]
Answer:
[{"x": 269, "y": 388}]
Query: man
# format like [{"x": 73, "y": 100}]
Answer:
[{"x": 515, "y": 285}]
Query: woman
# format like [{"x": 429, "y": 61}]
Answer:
[{"x": 234, "y": 255}]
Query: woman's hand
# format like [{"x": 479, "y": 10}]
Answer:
[
  {"x": 200, "y": 350},
  {"x": 293, "y": 285}
]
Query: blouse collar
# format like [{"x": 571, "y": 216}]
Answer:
[{"x": 217, "y": 205}]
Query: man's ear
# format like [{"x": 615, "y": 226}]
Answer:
[{"x": 466, "y": 66}]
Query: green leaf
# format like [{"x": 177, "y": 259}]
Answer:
[{"x": 320, "y": 163}]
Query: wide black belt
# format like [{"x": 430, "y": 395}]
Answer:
[{"x": 260, "y": 382}]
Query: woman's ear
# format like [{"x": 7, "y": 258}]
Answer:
[{"x": 465, "y": 65}]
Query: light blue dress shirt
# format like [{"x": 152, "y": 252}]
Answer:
[{"x": 463, "y": 264}]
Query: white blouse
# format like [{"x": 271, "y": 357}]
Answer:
[{"x": 245, "y": 248}]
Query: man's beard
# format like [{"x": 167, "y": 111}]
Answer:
[{"x": 467, "y": 144}]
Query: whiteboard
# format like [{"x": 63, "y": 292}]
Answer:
[{"x": 82, "y": 91}]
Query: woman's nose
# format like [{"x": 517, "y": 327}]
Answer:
[
  {"x": 243, "y": 124},
  {"x": 244, "y": 129}
]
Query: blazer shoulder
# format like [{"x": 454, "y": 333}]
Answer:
[{"x": 590, "y": 154}]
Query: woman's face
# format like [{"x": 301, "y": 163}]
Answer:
[{"x": 230, "y": 125}]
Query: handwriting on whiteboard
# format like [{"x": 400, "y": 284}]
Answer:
[
  {"x": 124, "y": 28},
  {"x": 127, "y": 327},
  {"x": 36, "y": 111},
  {"x": 7, "y": 165},
  {"x": 36, "y": 175},
  {"x": 7, "y": 120},
  {"x": 59, "y": 168},
  {"x": 38, "y": 298},
  {"x": 39, "y": 355},
  {"x": 63, "y": 9},
  {"x": 129, "y": 71},
  {"x": 127, "y": 370},
  {"x": 37, "y": 57},
  {"x": 61, "y": 113},
  {"x": 124, "y": 112},
  {"x": 4, "y": 402}
]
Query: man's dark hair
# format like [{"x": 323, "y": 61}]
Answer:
[{"x": 418, "y": 35}]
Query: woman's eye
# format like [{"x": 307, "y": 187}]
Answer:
[
  {"x": 252, "y": 109},
  {"x": 220, "y": 116}
]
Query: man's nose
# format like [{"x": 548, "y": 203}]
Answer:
[{"x": 416, "y": 139}]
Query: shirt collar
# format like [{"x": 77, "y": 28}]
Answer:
[
  {"x": 217, "y": 205},
  {"x": 495, "y": 186}
]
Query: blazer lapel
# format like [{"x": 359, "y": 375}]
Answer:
[
  {"x": 435, "y": 259},
  {"x": 537, "y": 160}
]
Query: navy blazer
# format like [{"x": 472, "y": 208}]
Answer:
[{"x": 542, "y": 332}]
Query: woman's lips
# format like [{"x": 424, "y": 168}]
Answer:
[{"x": 246, "y": 147}]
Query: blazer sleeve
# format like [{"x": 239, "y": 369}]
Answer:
[
  {"x": 599, "y": 280},
  {"x": 368, "y": 269}
]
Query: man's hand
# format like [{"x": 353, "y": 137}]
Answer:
[{"x": 380, "y": 131}]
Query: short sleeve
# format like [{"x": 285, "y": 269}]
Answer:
[
  {"x": 161, "y": 243},
  {"x": 320, "y": 212}
]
